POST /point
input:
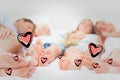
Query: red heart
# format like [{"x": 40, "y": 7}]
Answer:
[
  {"x": 95, "y": 49},
  {"x": 110, "y": 61},
  {"x": 16, "y": 58},
  {"x": 8, "y": 71},
  {"x": 25, "y": 38},
  {"x": 43, "y": 59},
  {"x": 95, "y": 65},
  {"x": 60, "y": 56},
  {"x": 77, "y": 62}
]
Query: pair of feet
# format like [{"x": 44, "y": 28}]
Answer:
[
  {"x": 67, "y": 63},
  {"x": 45, "y": 56},
  {"x": 108, "y": 65},
  {"x": 15, "y": 65}
]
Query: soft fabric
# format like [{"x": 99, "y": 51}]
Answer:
[{"x": 110, "y": 44}]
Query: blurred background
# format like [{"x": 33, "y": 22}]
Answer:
[{"x": 62, "y": 14}]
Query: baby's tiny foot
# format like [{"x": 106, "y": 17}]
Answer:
[
  {"x": 39, "y": 47},
  {"x": 102, "y": 68},
  {"x": 28, "y": 72},
  {"x": 87, "y": 60},
  {"x": 105, "y": 60}
]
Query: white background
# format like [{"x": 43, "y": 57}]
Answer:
[{"x": 62, "y": 13}]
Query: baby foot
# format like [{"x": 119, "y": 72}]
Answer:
[
  {"x": 12, "y": 60},
  {"x": 106, "y": 60},
  {"x": 25, "y": 72},
  {"x": 46, "y": 58},
  {"x": 102, "y": 68},
  {"x": 87, "y": 60},
  {"x": 112, "y": 61},
  {"x": 38, "y": 47},
  {"x": 66, "y": 63}
]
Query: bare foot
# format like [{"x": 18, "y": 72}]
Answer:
[
  {"x": 38, "y": 47},
  {"x": 38, "y": 50},
  {"x": 103, "y": 68},
  {"x": 106, "y": 68},
  {"x": 25, "y": 72},
  {"x": 67, "y": 63},
  {"x": 12, "y": 60},
  {"x": 46, "y": 57},
  {"x": 88, "y": 62},
  {"x": 112, "y": 61}
]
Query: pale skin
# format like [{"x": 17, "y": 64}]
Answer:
[
  {"x": 111, "y": 62},
  {"x": 51, "y": 53},
  {"x": 54, "y": 51},
  {"x": 84, "y": 28},
  {"x": 21, "y": 67},
  {"x": 106, "y": 68},
  {"x": 21, "y": 27},
  {"x": 11, "y": 52},
  {"x": 67, "y": 62},
  {"x": 42, "y": 30},
  {"x": 115, "y": 56},
  {"x": 5, "y": 32}
]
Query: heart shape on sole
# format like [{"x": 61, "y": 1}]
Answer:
[
  {"x": 43, "y": 59},
  {"x": 8, "y": 71},
  {"x": 77, "y": 62}
]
